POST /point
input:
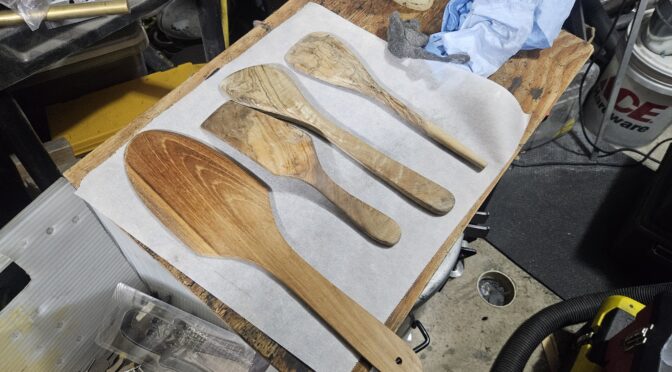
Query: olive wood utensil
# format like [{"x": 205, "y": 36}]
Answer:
[
  {"x": 286, "y": 150},
  {"x": 323, "y": 56},
  {"x": 270, "y": 89}
]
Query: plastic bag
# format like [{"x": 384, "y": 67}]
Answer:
[
  {"x": 32, "y": 11},
  {"x": 160, "y": 337}
]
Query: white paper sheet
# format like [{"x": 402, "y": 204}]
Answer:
[{"x": 478, "y": 112}]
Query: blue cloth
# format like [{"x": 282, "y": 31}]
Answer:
[
  {"x": 491, "y": 31},
  {"x": 455, "y": 13},
  {"x": 548, "y": 19}
]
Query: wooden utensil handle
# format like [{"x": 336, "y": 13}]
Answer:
[
  {"x": 375, "y": 224},
  {"x": 430, "y": 129},
  {"x": 376, "y": 343},
  {"x": 418, "y": 188}
]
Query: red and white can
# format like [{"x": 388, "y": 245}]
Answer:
[{"x": 643, "y": 108}]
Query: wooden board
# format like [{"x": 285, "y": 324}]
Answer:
[
  {"x": 197, "y": 192},
  {"x": 286, "y": 150},
  {"x": 325, "y": 57},
  {"x": 270, "y": 88},
  {"x": 535, "y": 78}
]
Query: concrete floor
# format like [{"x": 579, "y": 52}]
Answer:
[{"x": 467, "y": 332}]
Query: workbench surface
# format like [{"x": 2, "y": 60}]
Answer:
[{"x": 535, "y": 78}]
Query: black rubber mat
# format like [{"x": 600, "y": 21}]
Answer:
[{"x": 559, "y": 222}]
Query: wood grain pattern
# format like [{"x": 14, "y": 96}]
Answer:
[
  {"x": 287, "y": 151},
  {"x": 525, "y": 73},
  {"x": 270, "y": 89},
  {"x": 219, "y": 209},
  {"x": 325, "y": 57}
]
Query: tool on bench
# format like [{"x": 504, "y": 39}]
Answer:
[
  {"x": 287, "y": 151},
  {"x": 70, "y": 10},
  {"x": 323, "y": 56},
  {"x": 270, "y": 89},
  {"x": 219, "y": 209}
]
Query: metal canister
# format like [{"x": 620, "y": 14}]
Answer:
[
  {"x": 644, "y": 105},
  {"x": 658, "y": 36}
]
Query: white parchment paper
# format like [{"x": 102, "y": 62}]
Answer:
[{"x": 478, "y": 112}]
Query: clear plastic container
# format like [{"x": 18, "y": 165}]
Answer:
[{"x": 160, "y": 337}]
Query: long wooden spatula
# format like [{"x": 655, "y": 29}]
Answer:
[
  {"x": 325, "y": 57},
  {"x": 286, "y": 150},
  {"x": 219, "y": 209},
  {"x": 270, "y": 89}
]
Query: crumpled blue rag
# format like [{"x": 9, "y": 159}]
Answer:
[{"x": 491, "y": 31}]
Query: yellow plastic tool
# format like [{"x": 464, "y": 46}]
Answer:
[
  {"x": 630, "y": 306},
  {"x": 88, "y": 121}
]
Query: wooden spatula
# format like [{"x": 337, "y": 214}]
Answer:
[
  {"x": 287, "y": 151},
  {"x": 218, "y": 209},
  {"x": 325, "y": 57},
  {"x": 270, "y": 89}
]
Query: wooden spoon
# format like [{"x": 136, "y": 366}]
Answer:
[
  {"x": 270, "y": 89},
  {"x": 219, "y": 209},
  {"x": 287, "y": 151},
  {"x": 323, "y": 56}
]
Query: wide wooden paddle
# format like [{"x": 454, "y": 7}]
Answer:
[
  {"x": 269, "y": 88},
  {"x": 219, "y": 209},
  {"x": 325, "y": 57},
  {"x": 286, "y": 150}
]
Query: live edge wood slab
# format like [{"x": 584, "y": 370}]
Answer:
[{"x": 535, "y": 78}]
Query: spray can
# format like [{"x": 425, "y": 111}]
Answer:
[{"x": 644, "y": 105}]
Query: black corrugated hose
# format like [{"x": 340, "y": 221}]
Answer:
[{"x": 518, "y": 349}]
